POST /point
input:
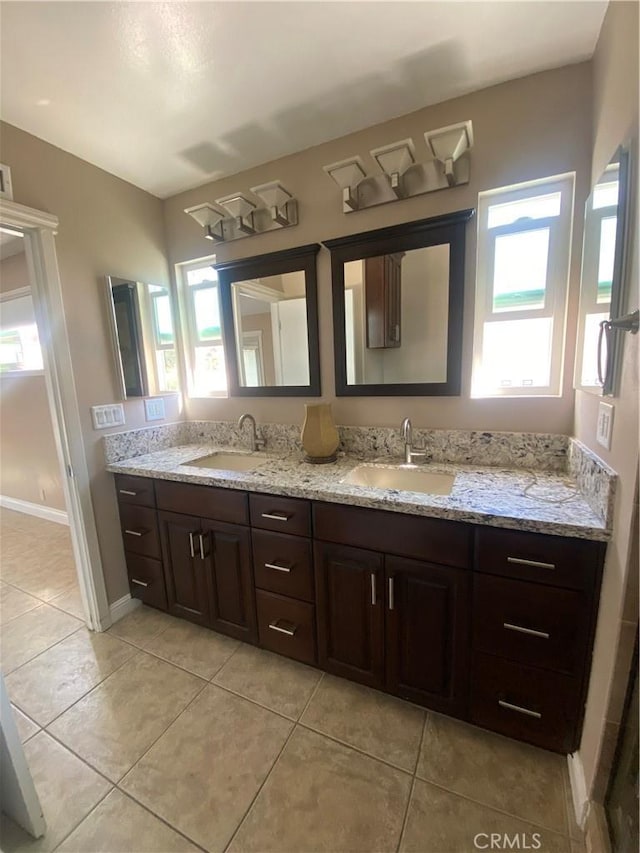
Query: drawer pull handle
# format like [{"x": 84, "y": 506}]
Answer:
[
  {"x": 192, "y": 549},
  {"x": 288, "y": 631},
  {"x": 127, "y": 492},
  {"x": 519, "y": 709},
  {"x": 136, "y": 532},
  {"x": 201, "y": 543},
  {"x": 276, "y": 516},
  {"x": 521, "y": 630},
  {"x": 391, "y": 593},
  {"x": 374, "y": 597},
  {"x": 139, "y": 583},
  {"x": 277, "y": 567},
  {"x": 536, "y": 564}
]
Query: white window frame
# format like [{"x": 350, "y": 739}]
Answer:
[
  {"x": 188, "y": 325},
  {"x": 556, "y": 289},
  {"x": 8, "y": 296}
]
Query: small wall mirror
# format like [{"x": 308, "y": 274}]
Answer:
[
  {"x": 397, "y": 308},
  {"x": 143, "y": 334},
  {"x": 602, "y": 291},
  {"x": 270, "y": 319}
]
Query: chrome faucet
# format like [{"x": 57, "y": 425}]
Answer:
[
  {"x": 407, "y": 434},
  {"x": 257, "y": 443}
]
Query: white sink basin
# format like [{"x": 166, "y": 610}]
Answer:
[
  {"x": 404, "y": 479},
  {"x": 226, "y": 462}
]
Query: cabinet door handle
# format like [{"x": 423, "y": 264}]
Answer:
[
  {"x": 276, "y": 516},
  {"x": 127, "y": 492},
  {"x": 519, "y": 709},
  {"x": 278, "y": 567},
  {"x": 136, "y": 532},
  {"x": 288, "y": 631},
  {"x": 536, "y": 564},
  {"x": 374, "y": 597},
  {"x": 201, "y": 543},
  {"x": 522, "y": 630},
  {"x": 139, "y": 583},
  {"x": 391, "y": 594},
  {"x": 192, "y": 548}
]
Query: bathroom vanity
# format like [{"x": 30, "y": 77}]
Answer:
[{"x": 482, "y": 616}]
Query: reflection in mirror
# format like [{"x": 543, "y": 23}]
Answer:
[
  {"x": 270, "y": 319},
  {"x": 396, "y": 317},
  {"x": 397, "y": 308},
  {"x": 602, "y": 280},
  {"x": 20, "y": 351},
  {"x": 143, "y": 337}
]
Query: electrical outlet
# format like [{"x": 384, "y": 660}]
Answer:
[
  {"x": 154, "y": 409},
  {"x": 107, "y": 416},
  {"x": 604, "y": 428}
]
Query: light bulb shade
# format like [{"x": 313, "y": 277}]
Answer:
[
  {"x": 396, "y": 157},
  {"x": 272, "y": 194},
  {"x": 237, "y": 205},
  {"x": 450, "y": 143},
  {"x": 206, "y": 214},
  {"x": 347, "y": 173}
]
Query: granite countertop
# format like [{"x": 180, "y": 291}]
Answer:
[{"x": 521, "y": 499}]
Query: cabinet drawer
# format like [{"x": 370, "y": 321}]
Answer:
[
  {"x": 284, "y": 515},
  {"x": 203, "y": 501},
  {"x": 529, "y": 704},
  {"x": 283, "y": 564},
  {"x": 286, "y": 626},
  {"x": 140, "y": 530},
  {"x": 537, "y": 557},
  {"x": 146, "y": 580},
  {"x": 531, "y": 623},
  {"x": 135, "y": 490}
]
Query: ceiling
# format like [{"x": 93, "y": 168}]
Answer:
[{"x": 171, "y": 95}]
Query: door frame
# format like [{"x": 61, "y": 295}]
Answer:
[{"x": 39, "y": 229}]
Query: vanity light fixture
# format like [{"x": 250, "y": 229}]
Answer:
[
  {"x": 347, "y": 174},
  {"x": 241, "y": 209},
  {"x": 210, "y": 218},
  {"x": 394, "y": 160},
  {"x": 448, "y": 144},
  {"x": 278, "y": 201}
]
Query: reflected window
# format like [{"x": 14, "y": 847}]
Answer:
[{"x": 20, "y": 350}]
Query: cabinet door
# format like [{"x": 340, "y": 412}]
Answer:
[
  {"x": 427, "y": 634},
  {"x": 350, "y": 612},
  {"x": 184, "y": 570},
  {"x": 227, "y": 553}
]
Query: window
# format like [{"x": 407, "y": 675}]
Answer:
[
  {"x": 19, "y": 342},
  {"x": 164, "y": 339},
  {"x": 205, "y": 350},
  {"x": 524, "y": 245}
]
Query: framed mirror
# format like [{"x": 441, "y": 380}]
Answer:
[
  {"x": 270, "y": 322},
  {"x": 141, "y": 323},
  {"x": 602, "y": 282},
  {"x": 398, "y": 296}
]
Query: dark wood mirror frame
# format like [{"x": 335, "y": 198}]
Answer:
[
  {"x": 302, "y": 258},
  {"x": 449, "y": 228}
]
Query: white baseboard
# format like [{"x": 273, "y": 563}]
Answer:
[
  {"x": 578, "y": 784},
  {"x": 29, "y": 508},
  {"x": 122, "y": 606}
]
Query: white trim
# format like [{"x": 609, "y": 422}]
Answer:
[
  {"x": 17, "y": 293},
  {"x": 123, "y": 606},
  {"x": 29, "y": 508},
  {"x": 578, "y": 784}
]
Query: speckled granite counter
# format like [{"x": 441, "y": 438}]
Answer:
[{"x": 522, "y": 499}]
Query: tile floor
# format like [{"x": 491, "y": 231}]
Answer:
[{"x": 162, "y": 736}]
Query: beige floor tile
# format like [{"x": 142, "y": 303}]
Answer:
[
  {"x": 26, "y": 636},
  {"x": 14, "y": 602},
  {"x": 119, "y": 825},
  {"x": 52, "y": 682},
  {"x": 42, "y": 575},
  {"x": 142, "y": 625},
  {"x": 67, "y": 789},
  {"x": 441, "y": 822},
  {"x": 112, "y": 726},
  {"x": 26, "y": 727},
  {"x": 380, "y": 725},
  {"x": 323, "y": 796},
  {"x": 496, "y": 771},
  {"x": 197, "y": 649},
  {"x": 273, "y": 681},
  {"x": 204, "y": 771},
  {"x": 70, "y": 602}
]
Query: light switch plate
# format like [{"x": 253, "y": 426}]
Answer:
[
  {"x": 604, "y": 428},
  {"x": 104, "y": 417},
  {"x": 154, "y": 409}
]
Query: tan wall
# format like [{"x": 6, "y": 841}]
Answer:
[
  {"x": 106, "y": 226},
  {"x": 14, "y": 273},
  {"x": 528, "y": 128},
  {"x": 615, "y": 119}
]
